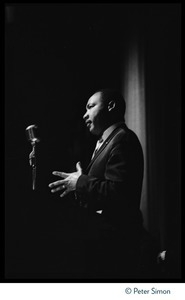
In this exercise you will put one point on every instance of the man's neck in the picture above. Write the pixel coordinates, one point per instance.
(109, 129)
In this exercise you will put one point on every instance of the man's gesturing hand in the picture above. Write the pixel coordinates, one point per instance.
(68, 184)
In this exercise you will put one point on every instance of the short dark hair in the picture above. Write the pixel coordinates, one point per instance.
(108, 95)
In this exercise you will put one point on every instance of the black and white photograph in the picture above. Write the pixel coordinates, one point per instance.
(92, 118)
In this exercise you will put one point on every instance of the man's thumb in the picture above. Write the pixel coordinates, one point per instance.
(78, 166)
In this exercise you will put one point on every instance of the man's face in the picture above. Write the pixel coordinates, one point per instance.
(96, 114)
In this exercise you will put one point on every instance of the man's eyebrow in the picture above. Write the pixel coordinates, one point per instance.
(88, 105)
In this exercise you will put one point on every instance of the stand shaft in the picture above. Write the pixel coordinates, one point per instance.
(34, 178)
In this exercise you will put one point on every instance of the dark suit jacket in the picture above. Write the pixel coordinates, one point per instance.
(113, 183)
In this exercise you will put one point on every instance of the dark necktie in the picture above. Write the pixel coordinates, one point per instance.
(98, 145)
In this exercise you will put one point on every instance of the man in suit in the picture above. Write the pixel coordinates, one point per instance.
(109, 190)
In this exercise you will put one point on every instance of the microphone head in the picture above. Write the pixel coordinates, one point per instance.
(30, 132)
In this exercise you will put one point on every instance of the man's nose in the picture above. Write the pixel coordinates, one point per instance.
(85, 116)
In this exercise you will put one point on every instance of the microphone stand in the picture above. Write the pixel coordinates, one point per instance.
(32, 161)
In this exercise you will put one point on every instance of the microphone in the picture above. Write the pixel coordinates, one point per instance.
(30, 132)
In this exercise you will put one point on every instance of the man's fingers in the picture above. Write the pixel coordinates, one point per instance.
(58, 189)
(56, 183)
(61, 174)
(64, 193)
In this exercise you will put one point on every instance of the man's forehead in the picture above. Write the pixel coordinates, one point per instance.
(96, 98)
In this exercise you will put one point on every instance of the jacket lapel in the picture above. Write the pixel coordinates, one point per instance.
(105, 143)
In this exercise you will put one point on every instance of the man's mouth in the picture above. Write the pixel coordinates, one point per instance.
(88, 123)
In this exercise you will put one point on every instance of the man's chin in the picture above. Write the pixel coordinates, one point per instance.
(93, 131)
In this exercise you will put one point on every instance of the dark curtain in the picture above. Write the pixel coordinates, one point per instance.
(163, 106)
(152, 89)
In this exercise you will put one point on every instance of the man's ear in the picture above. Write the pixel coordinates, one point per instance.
(111, 105)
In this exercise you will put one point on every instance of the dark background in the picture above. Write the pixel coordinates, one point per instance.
(56, 56)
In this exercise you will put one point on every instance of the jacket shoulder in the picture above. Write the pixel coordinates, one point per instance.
(124, 135)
